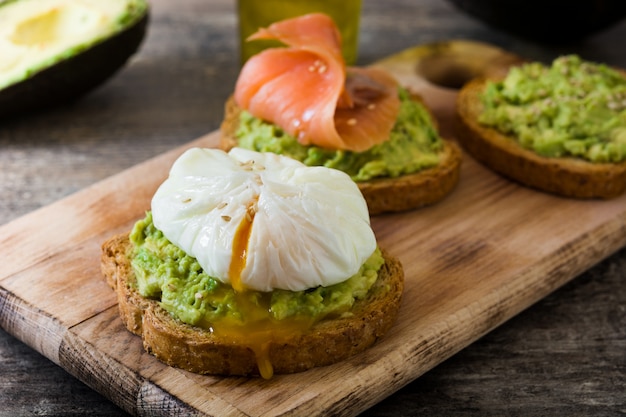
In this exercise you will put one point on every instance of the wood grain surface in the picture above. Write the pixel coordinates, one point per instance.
(471, 262)
(565, 355)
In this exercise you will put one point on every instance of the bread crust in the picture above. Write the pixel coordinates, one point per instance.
(383, 195)
(200, 351)
(568, 177)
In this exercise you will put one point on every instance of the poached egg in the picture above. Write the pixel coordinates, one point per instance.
(263, 221)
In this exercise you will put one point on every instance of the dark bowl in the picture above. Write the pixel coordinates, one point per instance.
(546, 21)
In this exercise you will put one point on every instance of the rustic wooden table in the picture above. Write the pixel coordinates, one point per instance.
(566, 355)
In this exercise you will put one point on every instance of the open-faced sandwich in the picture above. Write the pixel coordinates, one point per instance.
(559, 128)
(253, 264)
(302, 101)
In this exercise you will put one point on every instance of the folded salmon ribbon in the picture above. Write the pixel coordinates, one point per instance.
(306, 89)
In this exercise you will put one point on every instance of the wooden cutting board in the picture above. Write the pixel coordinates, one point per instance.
(488, 251)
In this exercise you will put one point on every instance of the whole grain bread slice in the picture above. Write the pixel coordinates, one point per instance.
(382, 195)
(566, 176)
(200, 351)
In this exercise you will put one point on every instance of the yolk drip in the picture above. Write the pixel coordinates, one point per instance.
(259, 329)
(259, 334)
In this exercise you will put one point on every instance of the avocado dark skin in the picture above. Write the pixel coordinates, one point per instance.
(74, 77)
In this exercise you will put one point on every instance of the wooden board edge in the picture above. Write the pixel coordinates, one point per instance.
(129, 390)
(31, 325)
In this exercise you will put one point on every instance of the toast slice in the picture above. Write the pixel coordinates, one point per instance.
(382, 195)
(200, 351)
(567, 176)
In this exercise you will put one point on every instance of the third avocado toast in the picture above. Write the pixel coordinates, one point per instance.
(558, 128)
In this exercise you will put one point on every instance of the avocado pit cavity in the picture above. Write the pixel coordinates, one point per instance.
(57, 26)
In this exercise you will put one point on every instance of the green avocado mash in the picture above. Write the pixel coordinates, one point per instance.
(164, 272)
(413, 145)
(572, 108)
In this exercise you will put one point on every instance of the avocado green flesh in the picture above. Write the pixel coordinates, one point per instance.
(164, 272)
(37, 34)
(413, 145)
(52, 55)
(572, 108)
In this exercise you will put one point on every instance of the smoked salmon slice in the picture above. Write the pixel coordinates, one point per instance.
(306, 89)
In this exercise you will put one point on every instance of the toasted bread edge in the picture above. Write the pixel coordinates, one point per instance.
(200, 351)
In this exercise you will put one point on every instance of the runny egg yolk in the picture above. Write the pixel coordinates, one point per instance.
(260, 328)
(240, 249)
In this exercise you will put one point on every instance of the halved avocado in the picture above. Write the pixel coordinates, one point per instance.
(54, 51)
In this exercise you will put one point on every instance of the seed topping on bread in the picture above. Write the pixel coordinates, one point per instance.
(571, 108)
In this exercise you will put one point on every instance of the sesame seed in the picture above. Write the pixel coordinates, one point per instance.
(351, 122)
(222, 205)
(318, 66)
(248, 165)
(371, 106)
(187, 200)
(226, 218)
(198, 295)
(171, 287)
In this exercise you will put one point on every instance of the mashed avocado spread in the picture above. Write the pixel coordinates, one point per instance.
(572, 108)
(414, 145)
(164, 272)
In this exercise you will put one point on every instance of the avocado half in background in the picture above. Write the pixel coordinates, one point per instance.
(54, 51)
